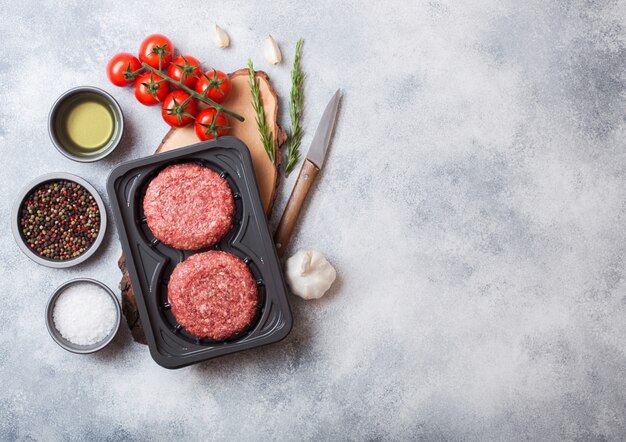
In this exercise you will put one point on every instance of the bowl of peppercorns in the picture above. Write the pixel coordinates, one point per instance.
(59, 220)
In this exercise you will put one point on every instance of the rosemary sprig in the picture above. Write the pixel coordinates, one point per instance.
(296, 105)
(267, 138)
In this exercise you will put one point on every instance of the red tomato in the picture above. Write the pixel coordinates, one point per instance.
(152, 46)
(211, 124)
(150, 89)
(121, 68)
(186, 69)
(216, 83)
(179, 109)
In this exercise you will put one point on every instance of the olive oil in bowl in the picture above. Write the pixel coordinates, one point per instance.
(86, 124)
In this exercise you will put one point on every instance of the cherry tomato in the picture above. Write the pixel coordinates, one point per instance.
(150, 89)
(211, 124)
(179, 109)
(186, 69)
(152, 46)
(121, 67)
(217, 83)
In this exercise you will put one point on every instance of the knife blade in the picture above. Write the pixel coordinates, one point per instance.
(310, 167)
(321, 139)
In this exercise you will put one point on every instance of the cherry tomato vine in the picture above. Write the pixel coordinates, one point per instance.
(156, 72)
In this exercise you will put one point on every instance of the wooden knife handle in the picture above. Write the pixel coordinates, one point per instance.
(285, 227)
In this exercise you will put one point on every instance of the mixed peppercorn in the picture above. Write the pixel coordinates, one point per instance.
(59, 220)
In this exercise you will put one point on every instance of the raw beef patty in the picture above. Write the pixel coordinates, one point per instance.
(189, 207)
(213, 295)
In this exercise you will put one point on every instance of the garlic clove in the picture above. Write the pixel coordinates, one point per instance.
(309, 274)
(272, 51)
(220, 38)
(306, 263)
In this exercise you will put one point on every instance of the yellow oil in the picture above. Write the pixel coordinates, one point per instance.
(89, 125)
(85, 123)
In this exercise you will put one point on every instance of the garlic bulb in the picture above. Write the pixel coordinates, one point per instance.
(309, 274)
(220, 38)
(272, 51)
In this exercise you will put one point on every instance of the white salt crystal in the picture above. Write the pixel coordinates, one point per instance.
(84, 314)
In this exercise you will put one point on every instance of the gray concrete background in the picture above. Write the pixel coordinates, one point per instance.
(473, 204)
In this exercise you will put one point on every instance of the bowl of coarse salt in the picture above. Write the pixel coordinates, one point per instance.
(83, 315)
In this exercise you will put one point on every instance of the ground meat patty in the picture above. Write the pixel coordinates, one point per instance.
(189, 207)
(213, 295)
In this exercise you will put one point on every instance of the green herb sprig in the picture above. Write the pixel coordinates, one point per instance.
(296, 106)
(267, 138)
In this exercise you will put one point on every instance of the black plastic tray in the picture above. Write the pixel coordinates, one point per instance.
(150, 262)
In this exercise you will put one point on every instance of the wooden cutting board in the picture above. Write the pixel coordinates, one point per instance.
(266, 173)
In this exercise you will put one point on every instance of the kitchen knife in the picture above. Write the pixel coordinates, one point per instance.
(311, 166)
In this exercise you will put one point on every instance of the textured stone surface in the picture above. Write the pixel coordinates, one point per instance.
(473, 204)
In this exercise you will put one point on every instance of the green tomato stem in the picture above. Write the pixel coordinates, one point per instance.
(193, 93)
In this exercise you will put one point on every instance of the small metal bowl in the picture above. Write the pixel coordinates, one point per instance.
(64, 146)
(70, 346)
(17, 232)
